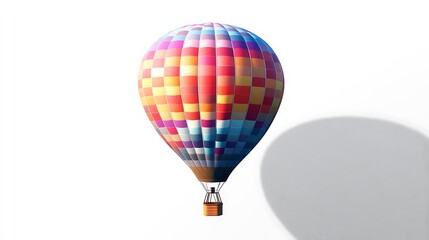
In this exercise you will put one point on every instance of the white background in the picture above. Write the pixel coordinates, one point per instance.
(80, 160)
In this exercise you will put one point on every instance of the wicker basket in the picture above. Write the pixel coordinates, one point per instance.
(213, 209)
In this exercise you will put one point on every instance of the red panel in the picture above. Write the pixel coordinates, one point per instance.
(219, 150)
(224, 107)
(225, 80)
(258, 81)
(153, 109)
(268, 100)
(159, 62)
(254, 108)
(207, 90)
(172, 130)
(267, 55)
(147, 91)
(269, 65)
(225, 90)
(226, 70)
(225, 61)
(255, 54)
(240, 52)
(189, 80)
(156, 116)
(190, 98)
(207, 80)
(146, 73)
(176, 107)
(271, 73)
(207, 51)
(270, 92)
(243, 90)
(192, 115)
(206, 70)
(174, 99)
(223, 115)
(180, 144)
(224, 51)
(265, 108)
(190, 51)
(207, 98)
(157, 82)
(171, 71)
(207, 60)
(188, 90)
(174, 52)
(240, 98)
(251, 116)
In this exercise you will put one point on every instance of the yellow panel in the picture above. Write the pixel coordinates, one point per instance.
(257, 62)
(279, 85)
(162, 108)
(188, 70)
(148, 100)
(178, 115)
(160, 54)
(190, 107)
(208, 115)
(270, 83)
(189, 60)
(224, 99)
(171, 81)
(275, 105)
(160, 99)
(143, 100)
(172, 91)
(175, 137)
(243, 71)
(158, 91)
(172, 61)
(147, 82)
(239, 107)
(238, 115)
(165, 115)
(207, 107)
(157, 72)
(257, 72)
(243, 81)
(257, 95)
(167, 137)
(242, 61)
(140, 72)
(147, 63)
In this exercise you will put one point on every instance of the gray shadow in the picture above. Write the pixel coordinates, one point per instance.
(349, 179)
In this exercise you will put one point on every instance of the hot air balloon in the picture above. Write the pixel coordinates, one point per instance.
(211, 91)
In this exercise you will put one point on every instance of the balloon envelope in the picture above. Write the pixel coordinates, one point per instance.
(211, 91)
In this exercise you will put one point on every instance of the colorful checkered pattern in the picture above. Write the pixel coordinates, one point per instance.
(211, 91)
